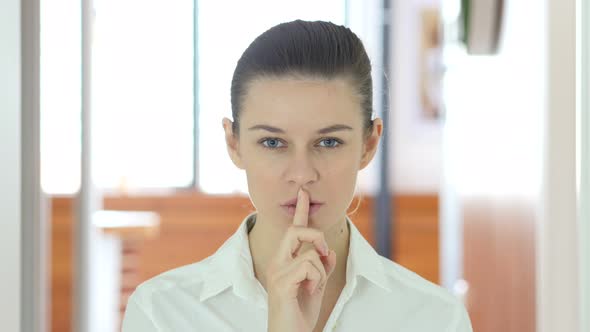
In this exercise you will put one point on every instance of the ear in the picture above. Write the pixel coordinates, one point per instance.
(232, 143)
(371, 143)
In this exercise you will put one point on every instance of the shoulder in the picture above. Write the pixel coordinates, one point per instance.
(155, 302)
(180, 279)
(426, 298)
(400, 277)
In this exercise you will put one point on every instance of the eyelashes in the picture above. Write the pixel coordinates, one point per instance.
(275, 143)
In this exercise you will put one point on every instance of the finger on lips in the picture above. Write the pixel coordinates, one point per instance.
(301, 209)
(301, 219)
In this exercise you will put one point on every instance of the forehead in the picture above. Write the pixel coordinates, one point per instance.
(301, 102)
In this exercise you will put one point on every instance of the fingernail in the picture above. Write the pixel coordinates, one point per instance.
(300, 193)
(325, 249)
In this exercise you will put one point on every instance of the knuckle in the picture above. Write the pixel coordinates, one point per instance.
(291, 230)
(319, 237)
(322, 237)
(312, 254)
(311, 267)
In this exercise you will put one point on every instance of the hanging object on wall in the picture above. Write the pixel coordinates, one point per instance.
(481, 25)
(431, 66)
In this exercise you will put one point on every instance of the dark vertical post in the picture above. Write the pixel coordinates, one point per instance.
(383, 208)
(35, 228)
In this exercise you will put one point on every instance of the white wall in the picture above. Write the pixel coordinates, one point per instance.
(557, 238)
(416, 147)
(10, 164)
(583, 157)
(511, 126)
(583, 143)
(493, 127)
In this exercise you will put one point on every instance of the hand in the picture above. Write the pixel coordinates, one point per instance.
(296, 283)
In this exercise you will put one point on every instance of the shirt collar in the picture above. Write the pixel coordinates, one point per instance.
(363, 260)
(231, 265)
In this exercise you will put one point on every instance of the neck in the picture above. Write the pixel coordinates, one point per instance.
(265, 237)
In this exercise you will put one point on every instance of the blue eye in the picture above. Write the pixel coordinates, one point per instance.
(274, 143)
(271, 143)
(331, 142)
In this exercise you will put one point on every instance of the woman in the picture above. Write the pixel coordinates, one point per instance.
(302, 129)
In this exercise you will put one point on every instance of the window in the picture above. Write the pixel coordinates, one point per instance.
(60, 96)
(142, 81)
(142, 94)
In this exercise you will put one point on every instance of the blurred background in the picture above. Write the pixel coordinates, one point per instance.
(114, 167)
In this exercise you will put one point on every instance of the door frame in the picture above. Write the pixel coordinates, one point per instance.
(35, 231)
(583, 156)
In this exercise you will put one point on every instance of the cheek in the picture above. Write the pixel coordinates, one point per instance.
(262, 177)
(262, 169)
(341, 167)
(340, 181)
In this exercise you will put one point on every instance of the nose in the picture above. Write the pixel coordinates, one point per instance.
(301, 170)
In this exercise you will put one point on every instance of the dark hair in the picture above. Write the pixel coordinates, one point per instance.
(310, 49)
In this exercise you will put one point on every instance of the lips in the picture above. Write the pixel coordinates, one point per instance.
(294, 202)
(290, 205)
(313, 208)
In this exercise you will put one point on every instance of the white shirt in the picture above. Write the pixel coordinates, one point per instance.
(221, 293)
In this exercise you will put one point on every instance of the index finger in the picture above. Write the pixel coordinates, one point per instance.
(301, 209)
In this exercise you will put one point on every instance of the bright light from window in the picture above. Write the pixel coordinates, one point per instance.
(142, 97)
(60, 96)
(143, 93)
(493, 125)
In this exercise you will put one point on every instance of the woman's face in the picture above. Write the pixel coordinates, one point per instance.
(301, 133)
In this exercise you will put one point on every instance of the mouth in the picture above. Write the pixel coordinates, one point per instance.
(289, 207)
(293, 202)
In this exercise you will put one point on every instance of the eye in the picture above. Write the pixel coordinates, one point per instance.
(271, 143)
(331, 143)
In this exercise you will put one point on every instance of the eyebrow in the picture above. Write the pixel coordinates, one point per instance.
(333, 128)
